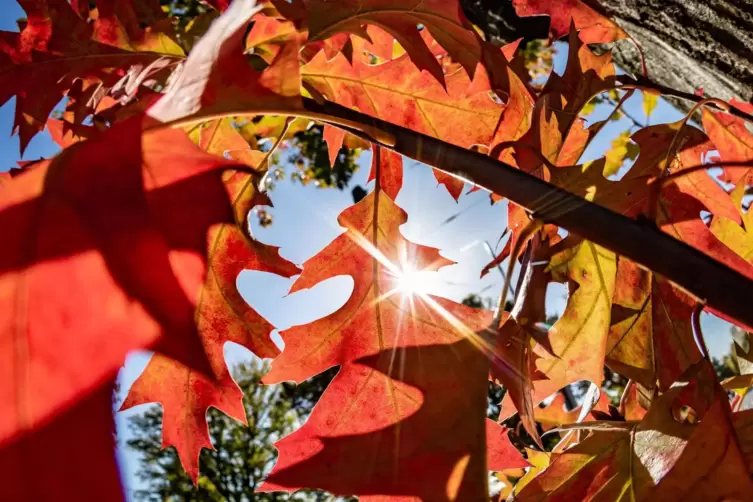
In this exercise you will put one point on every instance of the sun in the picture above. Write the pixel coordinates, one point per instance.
(411, 281)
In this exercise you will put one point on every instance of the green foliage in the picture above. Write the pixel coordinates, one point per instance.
(242, 455)
(312, 159)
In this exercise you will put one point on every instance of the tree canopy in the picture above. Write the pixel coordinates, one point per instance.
(174, 120)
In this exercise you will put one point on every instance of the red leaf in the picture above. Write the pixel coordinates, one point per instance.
(733, 140)
(104, 251)
(594, 28)
(334, 138)
(408, 421)
(222, 315)
(352, 332)
(389, 165)
(218, 79)
(410, 394)
(443, 18)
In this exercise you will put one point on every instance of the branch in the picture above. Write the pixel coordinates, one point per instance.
(722, 288)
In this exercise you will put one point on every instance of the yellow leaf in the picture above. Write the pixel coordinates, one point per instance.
(650, 101)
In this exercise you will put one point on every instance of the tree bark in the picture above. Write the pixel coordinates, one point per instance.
(687, 44)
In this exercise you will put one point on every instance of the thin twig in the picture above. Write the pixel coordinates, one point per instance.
(264, 164)
(618, 107)
(665, 180)
(643, 83)
(697, 332)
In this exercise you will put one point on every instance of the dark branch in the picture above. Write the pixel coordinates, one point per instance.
(724, 289)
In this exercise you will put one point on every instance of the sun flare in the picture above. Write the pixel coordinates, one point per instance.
(412, 281)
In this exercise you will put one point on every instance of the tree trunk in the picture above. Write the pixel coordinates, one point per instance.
(687, 44)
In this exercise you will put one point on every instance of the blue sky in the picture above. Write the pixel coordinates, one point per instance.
(305, 220)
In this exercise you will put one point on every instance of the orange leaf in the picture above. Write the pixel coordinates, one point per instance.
(411, 390)
(651, 337)
(594, 28)
(373, 230)
(334, 138)
(397, 92)
(408, 421)
(389, 165)
(733, 140)
(443, 18)
(554, 414)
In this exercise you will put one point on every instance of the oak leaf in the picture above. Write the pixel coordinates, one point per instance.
(104, 251)
(651, 336)
(579, 338)
(411, 389)
(407, 422)
(397, 92)
(731, 138)
(444, 19)
(222, 316)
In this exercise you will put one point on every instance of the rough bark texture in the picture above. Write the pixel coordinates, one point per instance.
(688, 44)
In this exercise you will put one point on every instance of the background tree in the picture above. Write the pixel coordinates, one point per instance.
(242, 455)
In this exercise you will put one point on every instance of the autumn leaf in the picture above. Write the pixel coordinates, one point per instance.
(104, 251)
(218, 79)
(692, 148)
(586, 74)
(731, 138)
(743, 358)
(443, 18)
(56, 46)
(408, 421)
(334, 138)
(555, 414)
(651, 336)
(222, 316)
(64, 136)
(411, 371)
(578, 339)
(396, 92)
(539, 461)
(594, 28)
(512, 367)
(630, 403)
(650, 100)
(389, 165)
(621, 149)
(556, 131)
(373, 229)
